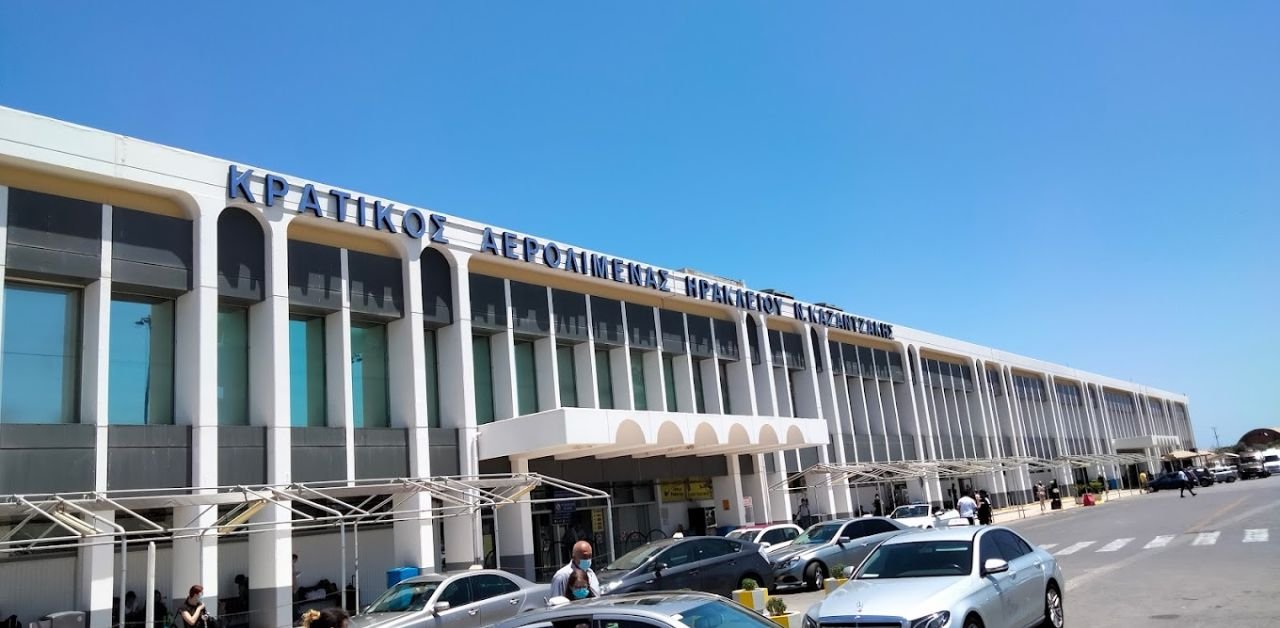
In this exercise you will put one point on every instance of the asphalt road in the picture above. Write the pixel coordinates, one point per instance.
(1160, 560)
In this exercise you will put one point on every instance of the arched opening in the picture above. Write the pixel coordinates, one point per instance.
(628, 434)
(241, 284)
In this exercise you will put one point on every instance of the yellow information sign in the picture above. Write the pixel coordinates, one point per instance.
(597, 520)
(674, 491)
(699, 490)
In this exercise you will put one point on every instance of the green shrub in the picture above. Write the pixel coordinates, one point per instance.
(776, 606)
(749, 584)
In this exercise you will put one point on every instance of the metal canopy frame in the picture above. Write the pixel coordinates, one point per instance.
(1080, 461)
(313, 505)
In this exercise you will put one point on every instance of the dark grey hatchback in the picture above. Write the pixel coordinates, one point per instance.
(704, 563)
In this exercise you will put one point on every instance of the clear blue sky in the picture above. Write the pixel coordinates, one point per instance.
(1089, 184)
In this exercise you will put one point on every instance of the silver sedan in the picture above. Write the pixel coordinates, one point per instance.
(478, 597)
(971, 577)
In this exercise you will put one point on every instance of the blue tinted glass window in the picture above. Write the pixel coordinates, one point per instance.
(639, 396)
(433, 380)
(483, 364)
(140, 384)
(526, 378)
(370, 384)
(233, 365)
(604, 379)
(568, 376)
(41, 355)
(307, 403)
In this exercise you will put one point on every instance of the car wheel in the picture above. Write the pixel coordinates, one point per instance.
(1053, 615)
(972, 622)
(814, 575)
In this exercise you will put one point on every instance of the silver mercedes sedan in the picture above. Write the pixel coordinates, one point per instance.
(966, 577)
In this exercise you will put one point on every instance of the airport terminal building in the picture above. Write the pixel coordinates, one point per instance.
(189, 343)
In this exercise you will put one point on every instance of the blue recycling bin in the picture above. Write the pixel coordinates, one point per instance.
(400, 574)
(1113, 483)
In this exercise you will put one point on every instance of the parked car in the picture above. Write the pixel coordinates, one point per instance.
(964, 576)
(810, 558)
(920, 516)
(645, 610)
(1271, 461)
(1204, 477)
(706, 563)
(463, 599)
(1224, 473)
(1165, 482)
(1251, 466)
(769, 537)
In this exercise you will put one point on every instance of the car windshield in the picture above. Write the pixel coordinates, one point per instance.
(721, 614)
(742, 533)
(1271, 458)
(910, 511)
(636, 557)
(821, 533)
(918, 560)
(406, 597)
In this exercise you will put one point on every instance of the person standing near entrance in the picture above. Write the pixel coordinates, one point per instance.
(877, 508)
(802, 517)
(581, 560)
(968, 508)
(1040, 494)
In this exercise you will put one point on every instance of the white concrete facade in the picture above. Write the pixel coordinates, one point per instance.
(774, 390)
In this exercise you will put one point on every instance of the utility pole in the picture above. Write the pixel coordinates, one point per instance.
(1216, 443)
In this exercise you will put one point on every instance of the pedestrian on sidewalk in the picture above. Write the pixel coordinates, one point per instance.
(968, 507)
(1187, 483)
(802, 516)
(877, 508)
(1142, 480)
(1040, 494)
(985, 515)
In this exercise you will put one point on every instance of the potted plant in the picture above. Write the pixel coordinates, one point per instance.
(836, 580)
(751, 595)
(777, 610)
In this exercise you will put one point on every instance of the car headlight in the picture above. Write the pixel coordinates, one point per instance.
(936, 620)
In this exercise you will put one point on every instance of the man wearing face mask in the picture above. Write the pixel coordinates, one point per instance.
(581, 560)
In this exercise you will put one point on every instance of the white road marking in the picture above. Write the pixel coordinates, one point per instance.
(1115, 545)
(1074, 548)
(1206, 538)
(1259, 535)
(1048, 546)
(1159, 541)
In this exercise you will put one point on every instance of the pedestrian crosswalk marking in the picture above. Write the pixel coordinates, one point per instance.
(1256, 536)
(1074, 548)
(1048, 546)
(1159, 541)
(1115, 545)
(1206, 538)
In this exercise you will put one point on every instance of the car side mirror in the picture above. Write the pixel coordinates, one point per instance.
(658, 567)
(847, 573)
(843, 540)
(993, 566)
(440, 607)
(765, 544)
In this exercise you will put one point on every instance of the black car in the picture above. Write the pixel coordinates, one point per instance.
(704, 563)
(1171, 482)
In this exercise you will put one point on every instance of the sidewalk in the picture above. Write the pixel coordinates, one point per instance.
(1018, 513)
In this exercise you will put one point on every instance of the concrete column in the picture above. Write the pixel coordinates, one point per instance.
(620, 376)
(742, 393)
(195, 558)
(584, 361)
(4, 237)
(271, 547)
(710, 385)
(756, 486)
(762, 373)
(728, 490)
(805, 381)
(340, 397)
(95, 344)
(779, 499)
(458, 408)
(544, 357)
(95, 571)
(515, 531)
(655, 387)
(414, 538)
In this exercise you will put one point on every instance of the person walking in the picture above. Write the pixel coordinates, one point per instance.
(1187, 483)
(192, 611)
(985, 515)
(968, 507)
(877, 507)
(581, 560)
(1142, 480)
(802, 513)
(1040, 494)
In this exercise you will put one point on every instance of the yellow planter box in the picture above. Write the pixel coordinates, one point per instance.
(787, 620)
(753, 599)
(831, 584)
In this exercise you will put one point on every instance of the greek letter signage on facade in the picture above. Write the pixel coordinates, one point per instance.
(512, 246)
(377, 215)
